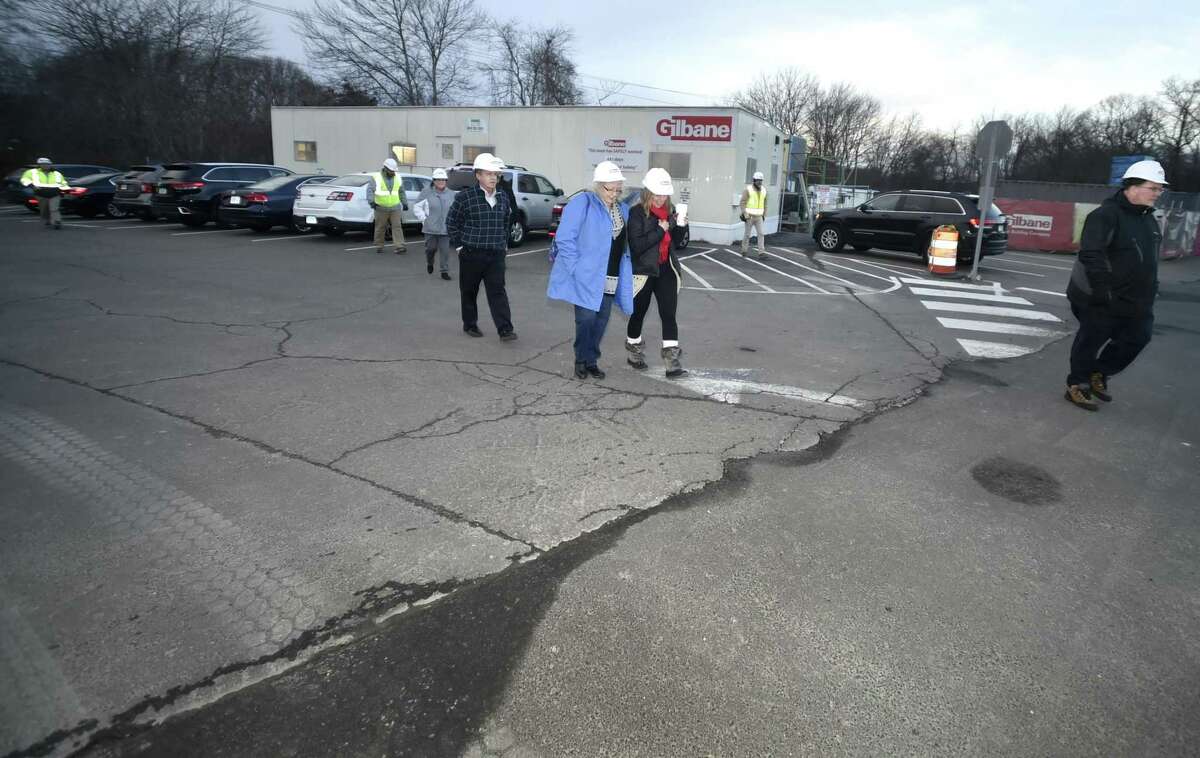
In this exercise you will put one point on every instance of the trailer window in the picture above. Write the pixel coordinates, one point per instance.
(471, 152)
(678, 165)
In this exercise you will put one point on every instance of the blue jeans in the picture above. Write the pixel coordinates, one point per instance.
(589, 330)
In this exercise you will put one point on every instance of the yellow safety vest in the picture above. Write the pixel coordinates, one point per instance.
(39, 178)
(756, 202)
(385, 197)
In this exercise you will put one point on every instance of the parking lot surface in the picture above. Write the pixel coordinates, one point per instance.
(226, 451)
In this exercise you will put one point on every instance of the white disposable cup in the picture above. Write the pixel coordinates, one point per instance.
(681, 214)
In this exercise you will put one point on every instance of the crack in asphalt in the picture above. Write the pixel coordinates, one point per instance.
(893, 328)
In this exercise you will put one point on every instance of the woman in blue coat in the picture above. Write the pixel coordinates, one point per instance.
(592, 267)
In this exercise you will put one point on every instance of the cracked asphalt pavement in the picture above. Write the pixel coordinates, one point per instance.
(236, 471)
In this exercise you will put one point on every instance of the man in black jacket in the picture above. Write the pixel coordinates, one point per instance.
(1114, 283)
(478, 224)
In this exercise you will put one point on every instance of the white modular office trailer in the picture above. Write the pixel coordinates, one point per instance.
(711, 152)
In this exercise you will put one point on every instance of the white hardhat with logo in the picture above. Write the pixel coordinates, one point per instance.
(607, 171)
(487, 162)
(440, 173)
(43, 161)
(1151, 171)
(758, 176)
(391, 165)
(658, 182)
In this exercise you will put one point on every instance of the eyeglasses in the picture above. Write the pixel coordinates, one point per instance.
(1158, 190)
(610, 189)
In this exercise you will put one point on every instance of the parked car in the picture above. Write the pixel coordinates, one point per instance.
(632, 195)
(340, 205)
(267, 203)
(89, 196)
(15, 193)
(135, 190)
(532, 194)
(191, 192)
(905, 220)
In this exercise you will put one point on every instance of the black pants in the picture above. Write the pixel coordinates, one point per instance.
(665, 289)
(1106, 343)
(486, 266)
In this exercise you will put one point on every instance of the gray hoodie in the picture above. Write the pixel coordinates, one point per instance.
(439, 206)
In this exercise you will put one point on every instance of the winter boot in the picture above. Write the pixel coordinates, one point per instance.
(1079, 395)
(637, 354)
(670, 356)
(1100, 387)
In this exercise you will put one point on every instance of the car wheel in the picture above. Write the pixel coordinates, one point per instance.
(193, 220)
(330, 231)
(686, 240)
(862, 248)
(112, 211)
(516, 235)
(830, 239)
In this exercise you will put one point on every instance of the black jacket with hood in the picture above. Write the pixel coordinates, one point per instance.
(1117, 266)
(644, 237)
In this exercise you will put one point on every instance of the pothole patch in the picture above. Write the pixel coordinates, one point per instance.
(1016, 481)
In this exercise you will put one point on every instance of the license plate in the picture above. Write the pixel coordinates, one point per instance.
(162, 190)
(235, 200)
(310, 219)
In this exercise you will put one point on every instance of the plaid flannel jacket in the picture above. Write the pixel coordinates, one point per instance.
(474, 224)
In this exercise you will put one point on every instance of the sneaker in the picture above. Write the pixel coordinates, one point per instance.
(446, 275)
(401, 250)
(1080, 396)
(595, 372)
(473, 331)
(1100, 387)
(508, 337)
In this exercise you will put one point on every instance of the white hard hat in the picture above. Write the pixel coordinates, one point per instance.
(1151, 171)
(440, 173)
(607, 171)
(391, 165)
(488, 162)
(658, 182)
(43, 161)
(758, 176)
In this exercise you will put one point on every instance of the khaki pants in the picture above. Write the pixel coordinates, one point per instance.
(48, 207)
(384, 216)
(754, 222)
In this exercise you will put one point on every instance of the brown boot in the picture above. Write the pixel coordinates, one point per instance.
(1081, 396)
(670, 356)
(637, 354)
(1100, 387)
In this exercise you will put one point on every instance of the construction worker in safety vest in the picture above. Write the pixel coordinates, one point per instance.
(753, 209)
(48, 186)
(385, 195)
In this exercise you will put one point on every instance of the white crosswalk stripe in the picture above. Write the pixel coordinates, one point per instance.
(958, 295)
(989, 310)
(996, 327)
(980, 349)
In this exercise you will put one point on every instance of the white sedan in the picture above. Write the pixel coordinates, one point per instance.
(340, 205)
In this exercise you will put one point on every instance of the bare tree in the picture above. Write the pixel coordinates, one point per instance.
(1181, 122)
(839, 121)
(402, 52)
(781, 98)
(533, 67)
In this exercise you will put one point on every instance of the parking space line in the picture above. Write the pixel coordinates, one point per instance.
(364, 247)
(781, 273)
(1022, 262)
(696, 255)
(1011, 271)
(954, 285)
(1034, 255)
(1043, 292)
(290, 237)
(131, 226)
(527, 252)
(696, 276)
(996, 327)
(846, 282)
(825, 262)
(990, 310)
(210, 231)
(745, 276)
(962, 295)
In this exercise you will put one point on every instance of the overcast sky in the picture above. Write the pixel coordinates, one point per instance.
(949, 61)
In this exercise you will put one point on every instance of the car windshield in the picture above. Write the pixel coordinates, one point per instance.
(273, 183)
(351, 180)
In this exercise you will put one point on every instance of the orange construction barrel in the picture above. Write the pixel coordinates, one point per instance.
(943, 250)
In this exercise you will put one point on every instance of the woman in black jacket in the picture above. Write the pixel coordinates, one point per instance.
(654, 233)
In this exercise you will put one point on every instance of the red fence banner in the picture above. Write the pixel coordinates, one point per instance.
(1039, 224)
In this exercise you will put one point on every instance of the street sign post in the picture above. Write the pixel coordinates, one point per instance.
(992, 144)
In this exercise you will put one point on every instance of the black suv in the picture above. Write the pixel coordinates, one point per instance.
(191, 192)
(904, 220)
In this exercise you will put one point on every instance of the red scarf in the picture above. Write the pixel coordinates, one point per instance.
(664, 247)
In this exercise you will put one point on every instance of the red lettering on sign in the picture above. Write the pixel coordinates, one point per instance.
(696, 128)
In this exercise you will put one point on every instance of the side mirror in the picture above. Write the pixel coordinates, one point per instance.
(558, 192)
(865, 208)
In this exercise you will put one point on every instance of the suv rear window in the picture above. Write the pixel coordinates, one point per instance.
(177, 172)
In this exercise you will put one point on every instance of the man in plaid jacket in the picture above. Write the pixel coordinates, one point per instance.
(478, 224)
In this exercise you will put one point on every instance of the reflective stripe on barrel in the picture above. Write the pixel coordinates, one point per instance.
(943, 250)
